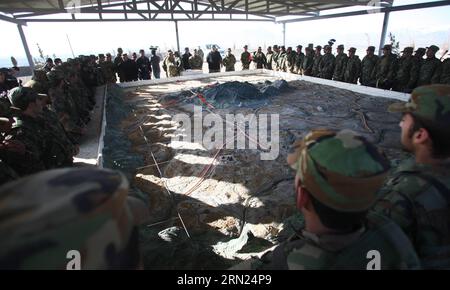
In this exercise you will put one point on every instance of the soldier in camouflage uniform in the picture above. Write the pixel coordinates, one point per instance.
(229, 61)
(341, 62)
(327, 64)
(246, 59)
(57, 212)
(338, 177)
(368, 65)
(276, 55)
(107, 68)
(59, 147)
(64, 105)
(117, 62)
(431, 68)
(308, 62)
(417, 195)
(299, 58)
(445, 77)
(316, 61)
(269, 57)
(195, 61)
(419, 54)
(384, 72)
(27, 131)
(352, 69)
(291, 58)
(38, 82)
(169, 65)
(407, 72)
(259, 58)
(282, 60)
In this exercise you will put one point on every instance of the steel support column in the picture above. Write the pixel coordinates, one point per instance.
(25, 46)
(178, 38)
(284, 34)
(384, 32)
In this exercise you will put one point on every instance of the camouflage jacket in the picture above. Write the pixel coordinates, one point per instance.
(196, 62)
(171, 67)
(407, 73)
(352, 70)
(384, 71)
(107, 68)
(291, 59)
(260, 60)
(282, 63)
(326, 67)
(275, 57)
(65, 109)
(417, 198)
(430, 72)
(59, 148)
(299, 58)
(339, 68)
(445, 77)
(27, 131)
(228, 62)
(307, 251)
(307, 65)
(246, 59)
(368, 65)
(316, 64)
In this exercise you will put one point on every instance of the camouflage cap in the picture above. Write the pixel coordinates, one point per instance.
(408, 49)
(55, 75)
(318, 47)
(421, 50)
(431, 103)
(340, 169)
(39, 75)
(433, 48)
(340, 46)
(387, 47)
(46, 215)
(352, 49)
(371, 48)
(20, 97)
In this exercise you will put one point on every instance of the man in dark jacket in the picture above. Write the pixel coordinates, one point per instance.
(144, 67)
(128, 69)
(214, 60)
(185, 59)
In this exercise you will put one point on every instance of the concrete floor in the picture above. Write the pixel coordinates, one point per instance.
(89, 148)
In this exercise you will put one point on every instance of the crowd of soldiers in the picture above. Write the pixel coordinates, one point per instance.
(43, 120)
(390, 71)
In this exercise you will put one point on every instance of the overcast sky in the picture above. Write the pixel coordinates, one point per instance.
(418, 28)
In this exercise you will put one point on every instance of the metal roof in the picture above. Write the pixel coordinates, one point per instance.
(183, 10)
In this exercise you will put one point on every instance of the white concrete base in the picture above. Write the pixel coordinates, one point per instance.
(92, 143)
